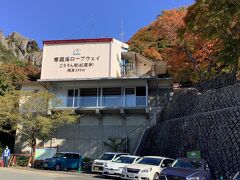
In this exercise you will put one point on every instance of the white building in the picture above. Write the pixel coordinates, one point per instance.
(114, 91)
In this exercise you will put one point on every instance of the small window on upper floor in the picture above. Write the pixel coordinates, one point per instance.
(126, 67)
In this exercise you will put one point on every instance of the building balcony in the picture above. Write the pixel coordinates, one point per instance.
(117, 101)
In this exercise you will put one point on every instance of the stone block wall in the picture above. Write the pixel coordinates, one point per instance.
(189, 101)
(209, 122)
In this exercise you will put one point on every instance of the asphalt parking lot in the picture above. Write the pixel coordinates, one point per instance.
(34, 174)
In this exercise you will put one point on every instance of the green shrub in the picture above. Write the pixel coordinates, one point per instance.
(22, 160)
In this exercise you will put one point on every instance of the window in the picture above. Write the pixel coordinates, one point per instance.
(187, 164)
(76, 156)
(71, 100)
(111, 91)
(124, 159)
(141, 96)
(150, 161)
(126, 67)
(68, 156)
(106, 157)
(72, 92)
(88, 91)
(130, 98)
(112, 96)
(88, 97)
(141, 91)
(58, 155)
(129, 91)
(167, 163)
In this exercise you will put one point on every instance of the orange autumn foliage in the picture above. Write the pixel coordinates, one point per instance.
(16, 73)
(190, 57)
(152, 53)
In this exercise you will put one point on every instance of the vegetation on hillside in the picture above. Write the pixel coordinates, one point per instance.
(13, 71)
(199, 42)
(7, 55)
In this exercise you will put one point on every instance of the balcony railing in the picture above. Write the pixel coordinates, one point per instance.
(103, 101)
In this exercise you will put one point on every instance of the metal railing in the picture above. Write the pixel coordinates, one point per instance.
(217, 82)
(101, 101)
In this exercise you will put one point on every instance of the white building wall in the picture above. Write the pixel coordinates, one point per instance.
(87, 136)
(117, 48)
(81, 60)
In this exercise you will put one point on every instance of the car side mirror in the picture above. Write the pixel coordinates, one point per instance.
(163, 165)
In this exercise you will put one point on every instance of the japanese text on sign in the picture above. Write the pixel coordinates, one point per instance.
(76, 64)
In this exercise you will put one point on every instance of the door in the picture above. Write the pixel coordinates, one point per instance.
(67, 161)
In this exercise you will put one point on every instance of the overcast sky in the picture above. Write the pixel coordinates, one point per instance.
(74, 19)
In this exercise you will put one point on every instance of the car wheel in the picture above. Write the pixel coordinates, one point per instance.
(156, 176)
(57, 167)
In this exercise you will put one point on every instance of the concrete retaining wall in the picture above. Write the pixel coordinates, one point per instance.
(87, 136)
(209, 122)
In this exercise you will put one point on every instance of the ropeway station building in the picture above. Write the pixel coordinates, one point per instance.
(115, 91)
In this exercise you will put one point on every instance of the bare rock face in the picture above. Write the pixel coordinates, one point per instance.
(23, 48)
(3, 41)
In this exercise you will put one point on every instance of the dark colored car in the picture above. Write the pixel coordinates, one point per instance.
(236, 176)
(186, 169)
(63, 160)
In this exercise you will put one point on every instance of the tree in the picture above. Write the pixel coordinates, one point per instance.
(152, 53)
(193, 53)
(218, 20)
(160, 34)
(116, 144)
(195, 48)
(9, 114)
(33, 120)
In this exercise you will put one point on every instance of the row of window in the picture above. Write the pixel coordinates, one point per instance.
(138, 91)
(106, 97)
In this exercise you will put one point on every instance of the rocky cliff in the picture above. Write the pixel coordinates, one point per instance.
(19, 47)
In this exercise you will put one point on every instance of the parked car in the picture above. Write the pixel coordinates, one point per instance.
(98, 164)
(63, 160)
(114, 168)
(236, 176)
(188, 169)
(147, 168)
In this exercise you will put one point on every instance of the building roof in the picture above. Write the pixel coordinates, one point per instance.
(92, 79)
(66, 41)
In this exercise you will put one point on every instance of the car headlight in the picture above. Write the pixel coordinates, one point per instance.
(146, 170)
(193, 178)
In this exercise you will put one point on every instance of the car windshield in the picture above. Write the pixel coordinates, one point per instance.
(124, 159)
(150, 161)
(187, 164)
(58, 155)
(106, 157)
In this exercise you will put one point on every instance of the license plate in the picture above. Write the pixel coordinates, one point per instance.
(96, 168)
(111, 172)
(131, 175)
